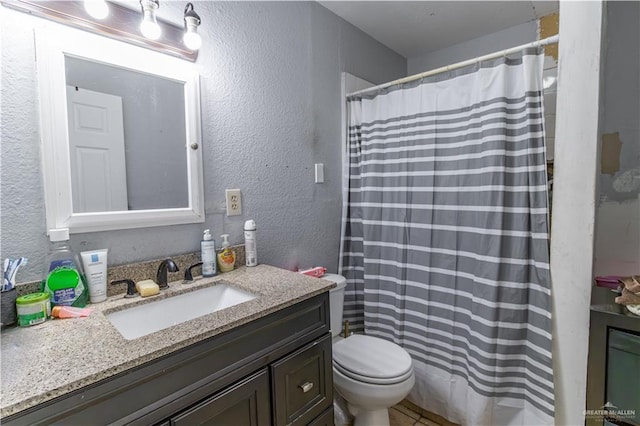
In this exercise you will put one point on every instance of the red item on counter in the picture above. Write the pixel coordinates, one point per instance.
(317, 272)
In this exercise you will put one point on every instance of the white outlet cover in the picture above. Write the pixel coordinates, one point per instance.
(234, 202)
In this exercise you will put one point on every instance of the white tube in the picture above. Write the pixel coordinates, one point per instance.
(95, 268)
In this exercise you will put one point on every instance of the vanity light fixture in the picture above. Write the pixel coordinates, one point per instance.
(96, 8)
(149, 25)
(120, 21)
(191, 37)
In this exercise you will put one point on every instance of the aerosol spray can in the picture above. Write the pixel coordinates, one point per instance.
(250, 248)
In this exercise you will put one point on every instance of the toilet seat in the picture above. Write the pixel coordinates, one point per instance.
(372, 380)
(372, 360)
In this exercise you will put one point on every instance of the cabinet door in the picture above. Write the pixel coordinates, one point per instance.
(302, 384)
(246, 403)
(623, 363)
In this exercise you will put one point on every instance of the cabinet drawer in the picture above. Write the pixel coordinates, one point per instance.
(302, 384)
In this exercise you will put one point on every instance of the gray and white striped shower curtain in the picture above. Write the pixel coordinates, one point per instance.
(445, 237)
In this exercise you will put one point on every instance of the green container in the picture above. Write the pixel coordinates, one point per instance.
(63, 277)
(33, 309)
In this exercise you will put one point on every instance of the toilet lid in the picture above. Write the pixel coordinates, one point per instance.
(372, 360)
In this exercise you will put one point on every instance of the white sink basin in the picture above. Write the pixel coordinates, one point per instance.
(155, 316)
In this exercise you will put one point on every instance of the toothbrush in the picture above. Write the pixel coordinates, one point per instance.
(11, 267)
(14, 271)
(5, 280)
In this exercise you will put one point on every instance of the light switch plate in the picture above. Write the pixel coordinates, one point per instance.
(319, 167)
(234, 202)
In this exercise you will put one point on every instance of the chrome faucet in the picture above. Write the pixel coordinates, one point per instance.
(161, 276)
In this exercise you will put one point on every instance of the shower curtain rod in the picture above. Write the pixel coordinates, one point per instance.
(538, 43)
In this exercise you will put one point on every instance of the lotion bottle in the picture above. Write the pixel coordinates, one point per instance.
(208, 254)
(227, 257)
(251, 251)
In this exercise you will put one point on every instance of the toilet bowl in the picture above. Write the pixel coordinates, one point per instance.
(371, 374)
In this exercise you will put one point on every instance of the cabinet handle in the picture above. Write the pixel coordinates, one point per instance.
(306, 387)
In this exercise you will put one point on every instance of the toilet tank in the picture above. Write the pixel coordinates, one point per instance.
(336, 301)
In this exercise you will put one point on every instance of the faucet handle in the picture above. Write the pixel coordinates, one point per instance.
(131, 287)
(188, 277)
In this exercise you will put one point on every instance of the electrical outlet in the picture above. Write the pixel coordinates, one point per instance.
(234, 202)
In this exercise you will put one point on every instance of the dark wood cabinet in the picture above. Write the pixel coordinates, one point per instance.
(275, 370)
(302, 384)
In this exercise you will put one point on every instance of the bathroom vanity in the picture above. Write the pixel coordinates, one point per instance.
(266, 361)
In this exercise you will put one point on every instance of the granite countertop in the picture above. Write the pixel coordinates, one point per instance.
(46, 361)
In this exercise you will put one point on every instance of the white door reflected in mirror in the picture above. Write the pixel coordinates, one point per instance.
(96, 151)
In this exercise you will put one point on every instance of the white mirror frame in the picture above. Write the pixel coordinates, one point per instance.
(52, 44)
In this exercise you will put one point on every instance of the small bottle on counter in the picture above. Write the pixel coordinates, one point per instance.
(250, 248)
(208, 254)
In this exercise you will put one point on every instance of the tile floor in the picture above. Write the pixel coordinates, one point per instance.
(408, 414)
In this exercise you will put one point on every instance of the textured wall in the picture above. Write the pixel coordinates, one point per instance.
(270, 81)
(618, 213)
(621, 98)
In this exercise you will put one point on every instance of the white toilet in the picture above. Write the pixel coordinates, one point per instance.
(372, 374)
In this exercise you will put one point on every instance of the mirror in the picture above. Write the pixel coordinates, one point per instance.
(120, 134)
(126, 133)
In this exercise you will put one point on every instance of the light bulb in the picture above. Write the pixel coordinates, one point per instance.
(150, 29)
(96, 8)
(149, 26)
(192, 40)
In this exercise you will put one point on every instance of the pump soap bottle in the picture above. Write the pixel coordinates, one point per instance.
(227, 257)
(208, 254)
